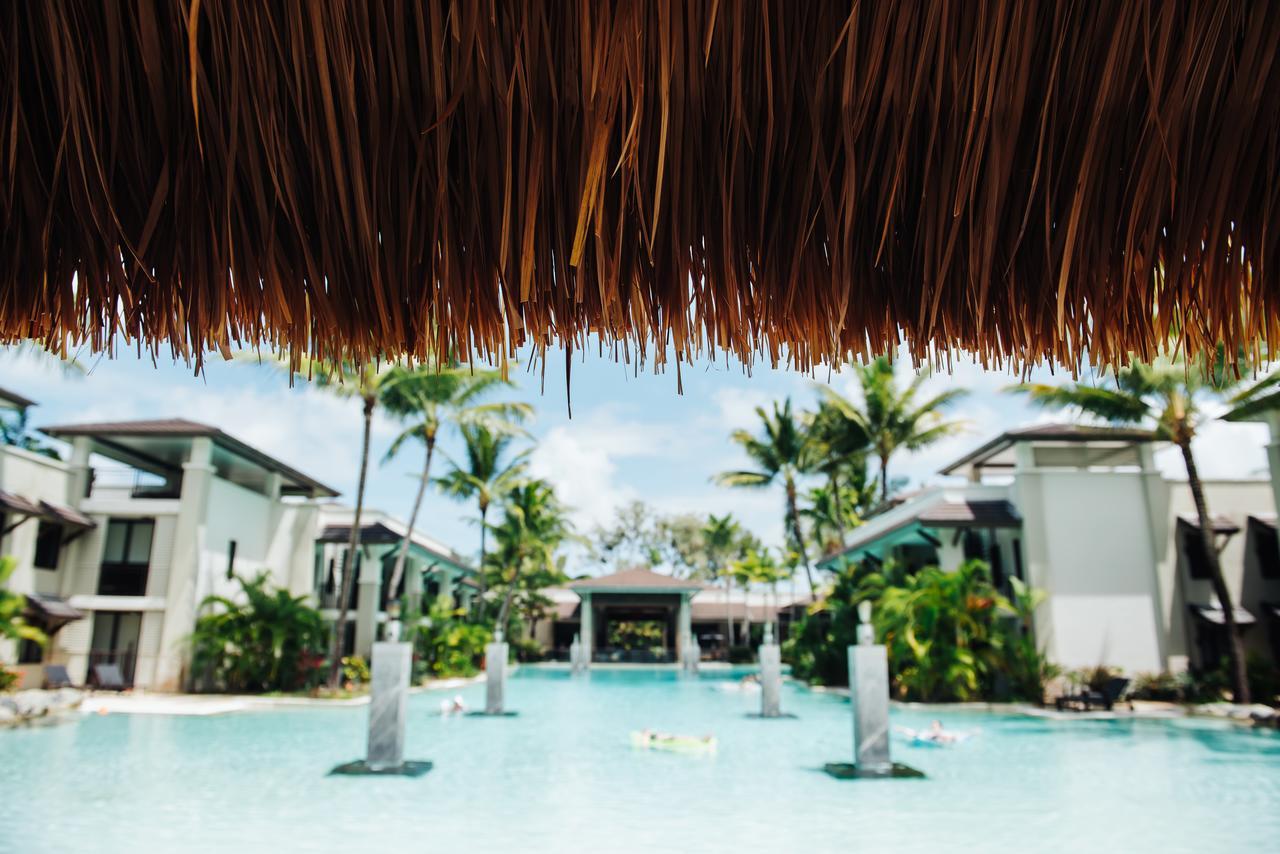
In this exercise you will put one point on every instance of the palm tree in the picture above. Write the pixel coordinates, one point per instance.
(830, 513)
(841, 443)
(783, 452)
(756, 566)
(486, 477)
(436, 397)
(722, 537)
(533, 528)
(1166, 396)
(891, 417)
(364, 382)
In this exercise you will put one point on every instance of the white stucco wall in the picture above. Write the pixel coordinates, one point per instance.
(1087, 543)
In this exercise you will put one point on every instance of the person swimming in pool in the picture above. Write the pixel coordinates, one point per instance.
(453, 707)
(938, 735)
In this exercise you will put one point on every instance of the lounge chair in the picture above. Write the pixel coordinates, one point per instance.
(56, 676)
(107, 677)
(1112, 690)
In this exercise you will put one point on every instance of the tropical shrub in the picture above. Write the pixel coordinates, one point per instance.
(637, 634)
(949, 635)
(8, 679)
(355, 670)
(818, 642)
(527, 649)
(271, 641)
(13, 625)
(446, 644)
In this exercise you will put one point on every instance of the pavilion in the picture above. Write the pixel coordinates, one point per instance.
(636, 595)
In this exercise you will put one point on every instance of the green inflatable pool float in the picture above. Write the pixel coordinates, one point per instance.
(648, 740)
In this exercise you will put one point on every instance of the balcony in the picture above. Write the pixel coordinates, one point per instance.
(119, 483)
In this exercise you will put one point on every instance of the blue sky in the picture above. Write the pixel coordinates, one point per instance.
(632, 436)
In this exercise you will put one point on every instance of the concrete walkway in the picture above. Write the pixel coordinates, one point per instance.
(142, 703)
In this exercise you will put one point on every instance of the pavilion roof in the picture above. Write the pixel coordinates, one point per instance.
(802, 180)
(637, 580)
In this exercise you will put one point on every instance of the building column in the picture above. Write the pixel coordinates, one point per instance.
(446, 584)
(587, 629)
(1153, 489)
(413, 586)
(1273, 458)
(369, 583)
(79, 469)
(181, 606)
(684, 625)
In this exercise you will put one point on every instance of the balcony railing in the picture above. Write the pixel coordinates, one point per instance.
(120, 482)
(123, 579)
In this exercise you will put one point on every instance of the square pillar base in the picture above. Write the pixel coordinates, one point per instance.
(895, 771)
(361, 768)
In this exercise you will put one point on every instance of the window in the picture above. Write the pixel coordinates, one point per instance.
(48, 545)
(1265, 547)
(30, 652)
(126, 557)
(1191, 544)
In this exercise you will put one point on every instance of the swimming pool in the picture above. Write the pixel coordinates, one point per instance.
(562, 776)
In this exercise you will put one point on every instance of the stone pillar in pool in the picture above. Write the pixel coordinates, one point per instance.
(495, 674)
(388, 704)
(690, 655)
(869, 694)
(869, 698)
(770, 676)
(588, 630)
(576, 664)
(684, 630)
(388, 714)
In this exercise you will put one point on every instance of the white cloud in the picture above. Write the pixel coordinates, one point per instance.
(581, 459)
(736, 407)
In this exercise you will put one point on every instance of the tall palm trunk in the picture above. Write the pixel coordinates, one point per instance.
(353, 543)
(403, 554)
(504, 613)
(884, 477)
(1235, 646)
(746, 615)
(484, 529)
(839, 506)
(793, 518)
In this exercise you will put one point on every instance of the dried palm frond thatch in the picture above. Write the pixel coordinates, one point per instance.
(805, 180)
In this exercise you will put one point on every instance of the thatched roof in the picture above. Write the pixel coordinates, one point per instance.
(806, 179)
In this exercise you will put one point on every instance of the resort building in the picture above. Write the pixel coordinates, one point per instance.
(1084, 514)
(141, 523)
(119, 544)
(431, 569)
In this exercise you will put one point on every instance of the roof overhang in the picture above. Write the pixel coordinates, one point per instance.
(51, 613)
(381, 534)
(13, 400)
(635, 581)
(67, 517)
(1221, 525)
(998, 452)
(915, 519)
(162, 446)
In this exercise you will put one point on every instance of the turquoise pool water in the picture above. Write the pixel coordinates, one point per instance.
(563, 777)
